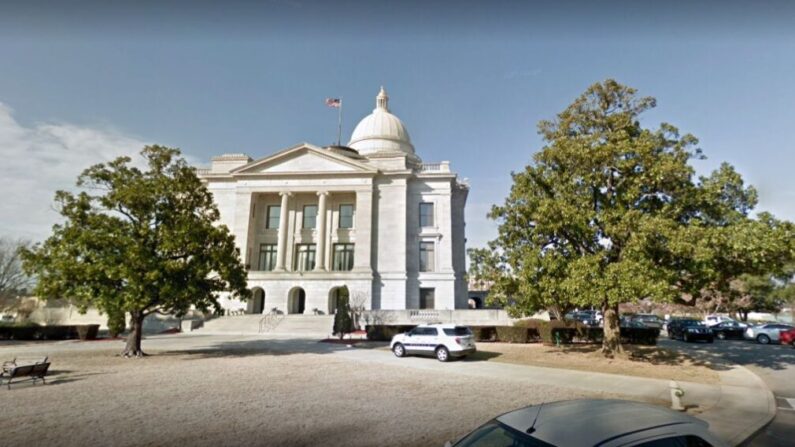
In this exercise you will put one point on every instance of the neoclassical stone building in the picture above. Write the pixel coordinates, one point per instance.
(370, 221)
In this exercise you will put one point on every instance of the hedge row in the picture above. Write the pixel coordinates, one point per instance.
(61, 332)
(532, 331)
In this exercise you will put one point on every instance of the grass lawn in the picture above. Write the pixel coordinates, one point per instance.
(642, 361)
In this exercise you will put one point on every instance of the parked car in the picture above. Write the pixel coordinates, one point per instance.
(649, 320)
(443, 341)
(766, 333)
(729, 329)
(591, 422)
(689, 330)
(787, 337)
(587, 317)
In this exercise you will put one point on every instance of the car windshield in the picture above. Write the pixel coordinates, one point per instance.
(459, 331)
(494, 434)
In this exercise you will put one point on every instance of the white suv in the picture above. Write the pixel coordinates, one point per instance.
(440, 340)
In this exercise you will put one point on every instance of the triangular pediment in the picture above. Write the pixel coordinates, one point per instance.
(304, 159)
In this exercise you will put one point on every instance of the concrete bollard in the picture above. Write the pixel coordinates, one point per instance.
(676, 396)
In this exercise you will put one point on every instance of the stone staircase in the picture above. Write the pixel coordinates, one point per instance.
(299, 325)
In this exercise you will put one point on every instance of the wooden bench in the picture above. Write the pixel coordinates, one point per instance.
(33, 372)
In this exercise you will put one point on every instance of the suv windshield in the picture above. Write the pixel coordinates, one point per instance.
(499, 435)
(458, 331)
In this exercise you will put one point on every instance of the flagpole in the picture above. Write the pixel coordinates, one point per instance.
(339, 124)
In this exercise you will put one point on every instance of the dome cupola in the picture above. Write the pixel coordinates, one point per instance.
(381, 131)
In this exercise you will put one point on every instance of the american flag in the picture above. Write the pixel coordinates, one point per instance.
(333, 103)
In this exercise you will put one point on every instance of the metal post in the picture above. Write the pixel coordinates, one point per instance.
(339, 123)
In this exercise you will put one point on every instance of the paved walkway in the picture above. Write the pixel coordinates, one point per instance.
(735, 409)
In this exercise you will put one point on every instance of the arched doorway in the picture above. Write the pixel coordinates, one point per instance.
(335, 296)
(296, 301)
(257, 303)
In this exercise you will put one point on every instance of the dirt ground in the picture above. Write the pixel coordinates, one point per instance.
(220, 398)
(642, 361)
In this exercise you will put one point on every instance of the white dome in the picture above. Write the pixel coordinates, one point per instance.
(381, 131)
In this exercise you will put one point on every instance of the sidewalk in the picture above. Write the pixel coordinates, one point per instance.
(736, 408)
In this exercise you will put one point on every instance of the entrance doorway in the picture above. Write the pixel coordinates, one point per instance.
(336, 296)
(257, 303)
(296, 302)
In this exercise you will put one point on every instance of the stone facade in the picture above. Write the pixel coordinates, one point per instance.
(299, 215)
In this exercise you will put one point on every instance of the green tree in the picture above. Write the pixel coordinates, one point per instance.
(608, 212)
(343, 320)
(138, 242)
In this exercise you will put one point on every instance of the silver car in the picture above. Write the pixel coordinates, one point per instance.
(766, 333)
(592, 422)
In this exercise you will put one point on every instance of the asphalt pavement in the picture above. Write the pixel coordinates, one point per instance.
(774, 364)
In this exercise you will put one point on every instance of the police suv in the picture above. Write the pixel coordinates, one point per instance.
(442, 341)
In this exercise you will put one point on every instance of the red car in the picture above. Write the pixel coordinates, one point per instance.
(787, 337)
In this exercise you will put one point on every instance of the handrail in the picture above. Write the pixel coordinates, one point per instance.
(270, 321)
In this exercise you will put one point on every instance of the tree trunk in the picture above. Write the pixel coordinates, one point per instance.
(133, 347)
(611, 342)
(743, 315)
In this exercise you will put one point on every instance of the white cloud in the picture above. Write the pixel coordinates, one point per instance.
(36, 161)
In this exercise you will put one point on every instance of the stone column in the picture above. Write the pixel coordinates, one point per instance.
(363, 227)
(320, 255)
(281, 248)
(243, 228)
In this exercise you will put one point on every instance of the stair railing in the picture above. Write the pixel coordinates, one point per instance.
(270, 321)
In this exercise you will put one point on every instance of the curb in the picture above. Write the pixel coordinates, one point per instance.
(743, 399)
(747, 434)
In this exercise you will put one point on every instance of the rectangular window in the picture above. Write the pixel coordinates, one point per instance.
(427, 299)
(346, 216)
(310, 216)
(427, 256)
(267, 257)
(274, 212)
(304, 257)
(426, 214)
(343, 257)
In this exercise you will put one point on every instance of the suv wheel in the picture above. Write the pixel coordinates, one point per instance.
(442, 354)
(763, 339)
(399, 350)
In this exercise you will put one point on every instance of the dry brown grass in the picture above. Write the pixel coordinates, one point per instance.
(217, 397)
(642, 361)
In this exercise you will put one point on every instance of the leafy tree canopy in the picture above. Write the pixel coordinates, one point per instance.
(610, 212)
(138, 241)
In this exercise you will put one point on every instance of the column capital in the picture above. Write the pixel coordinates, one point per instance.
(323, 193)
(286, 193)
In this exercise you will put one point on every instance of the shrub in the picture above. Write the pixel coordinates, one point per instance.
(87, 331)
(385, 332)
(343, 321)
(514, 334)
(484, 333)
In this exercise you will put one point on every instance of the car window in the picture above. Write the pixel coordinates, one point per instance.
(427, 331)
(459, 331)
(677, 441)
(494, 434)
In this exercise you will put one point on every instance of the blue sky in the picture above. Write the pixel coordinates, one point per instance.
(92, 80)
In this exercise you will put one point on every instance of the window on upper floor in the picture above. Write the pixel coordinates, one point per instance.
(310, 216)
(267, 257)
(343, 257)
(427, 256)
(346, 216)
(304, 257)
(426, 214)
(274, 213)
